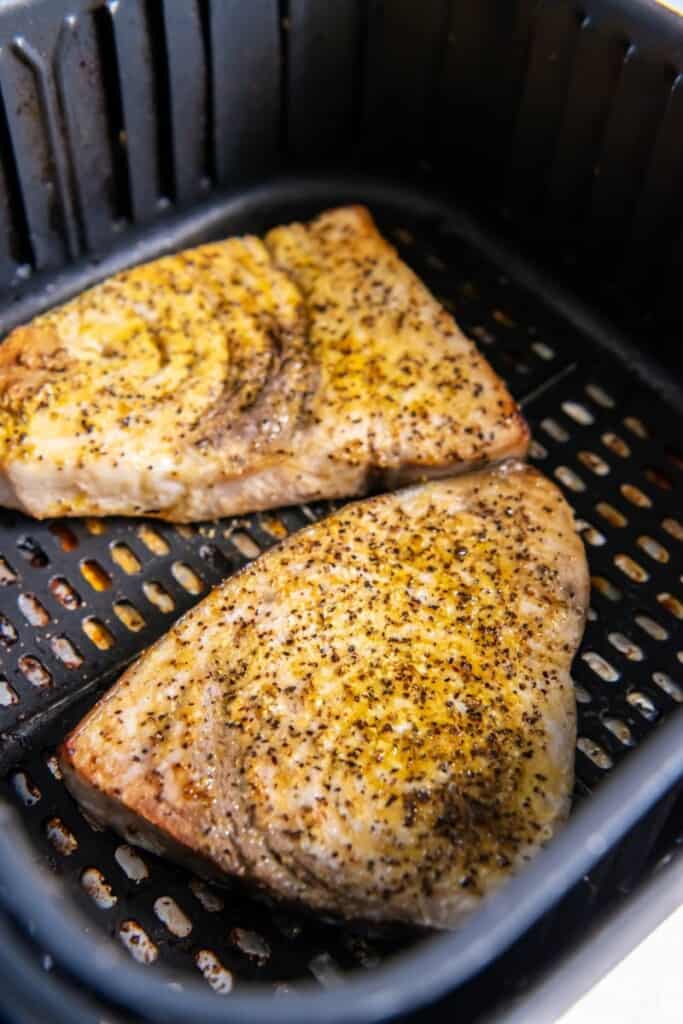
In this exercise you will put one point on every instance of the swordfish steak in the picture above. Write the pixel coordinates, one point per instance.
(244, 375)
(374, 719)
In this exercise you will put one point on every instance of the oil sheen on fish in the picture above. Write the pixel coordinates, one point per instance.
(374, 719)
(243, 375)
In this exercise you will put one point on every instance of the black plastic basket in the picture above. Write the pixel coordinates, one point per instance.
(526, 159)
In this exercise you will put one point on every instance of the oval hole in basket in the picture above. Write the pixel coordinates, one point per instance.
(153, 540)
(62, 839)
(671, 603)
(93, 573)
(218, 976)
(631, 568)
(635, 496)
(537, 451)
(210, 900)
(636, 426)
(66, 652)
(543, 351)
(54, 767)
(35, 671)
(611, 515)
(554, 430)
(96, 526)
(274, 526)
(33, 553)
(569, 478)
(620, 730)
(98, 634)
(137, 942)
(577, 412)
(669, 686)
(63, 592)
(600, 396)
(626, 647)
(184, 530)
(659, 478)
(7, 573)
(98, 888)
(673, 528)
(169, 913)
(590, 534)
(8, 634)
(245, 545)
(616, 444)
(642, 703)
(66, 538)
(158, 596)
(652, 628)
(122, 556)
(32, 610)
(187, 578)
(25, 788)
(600, 666)
(594, 463)
(129, 616)
(8, 695)
(654, 549)
(131, 863)
(594, 752)
(251, 944)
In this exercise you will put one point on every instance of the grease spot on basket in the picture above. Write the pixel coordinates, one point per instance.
(616, 444)
(98, 634)
(218, 976)
(594, 463)
(66, 538)
(611, 515)
(137, 942)
(642, 703)
(569, 478)
(170, 915)
(635, 496)
(61, 838)
(251, 944)
(625, 646)
(98, 888)
(600, 666)
(153, 540)
(669, 686)
(32, 610)
(126, 560)
(594, 752)
(66, 652)
(129, 616)
(131, 863)
(7, 573)
(35, 671)
(64, 593)
(158, 596)
(8, 695)
(187, 578)
(93, 573)
(210, 900)
(26, 789)
(672, 604)
(631, 568)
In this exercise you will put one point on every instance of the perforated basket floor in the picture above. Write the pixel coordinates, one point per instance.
(80, 598)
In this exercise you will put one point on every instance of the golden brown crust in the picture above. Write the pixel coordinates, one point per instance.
(376, 717)
(244, 375)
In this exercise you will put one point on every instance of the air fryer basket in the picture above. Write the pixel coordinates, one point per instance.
(129, 129)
